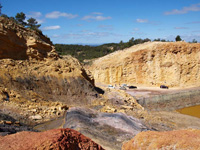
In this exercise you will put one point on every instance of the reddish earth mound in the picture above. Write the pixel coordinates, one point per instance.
(57, 139)
(180, 139)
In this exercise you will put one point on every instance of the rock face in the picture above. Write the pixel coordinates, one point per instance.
(56, 80)
(32, 75)
(151, 64)
(18, 42)
(180, 139)
(109, 130)
(53, 139)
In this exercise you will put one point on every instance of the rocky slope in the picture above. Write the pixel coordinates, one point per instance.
(180, 139)
(36, 84)
(18, 42)
(151, 64)
(53, 139)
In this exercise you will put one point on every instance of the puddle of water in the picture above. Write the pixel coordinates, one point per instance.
(192, 111)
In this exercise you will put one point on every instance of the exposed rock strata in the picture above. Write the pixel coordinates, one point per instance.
(52, 139)
(151, 64)
(107, 129)
(18, 42)
(180, 139)
(32, 75)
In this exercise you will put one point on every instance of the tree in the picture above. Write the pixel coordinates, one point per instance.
(4, 15)
(0, 8)
(33, 24)
(131, 42)
(178, 38)
(194, 41)
(20, 17)
(158, 39)
(163, 40)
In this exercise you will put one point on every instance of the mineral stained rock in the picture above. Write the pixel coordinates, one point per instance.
(179, 139)
(151, 64)
(57, 139)
(107, 129)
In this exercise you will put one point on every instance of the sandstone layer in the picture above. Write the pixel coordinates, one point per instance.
(35, 82)
(57, 139)
(180, 139)
(174, 64)
(18, 42)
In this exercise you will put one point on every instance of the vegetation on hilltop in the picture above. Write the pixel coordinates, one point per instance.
(86, 52)
(89, 52)
(20, 19)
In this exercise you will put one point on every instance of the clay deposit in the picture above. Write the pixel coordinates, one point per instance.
(53, 139)
(175, 64)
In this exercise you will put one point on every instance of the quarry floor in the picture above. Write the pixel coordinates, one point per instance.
(145, 91)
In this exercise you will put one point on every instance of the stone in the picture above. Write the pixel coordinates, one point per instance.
(8, 122)
(34, 110)
(178, 139)
(36, 117)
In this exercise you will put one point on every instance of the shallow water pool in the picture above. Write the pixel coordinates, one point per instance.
(192, 111)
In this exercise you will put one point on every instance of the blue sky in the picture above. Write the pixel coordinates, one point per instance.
(105, 21)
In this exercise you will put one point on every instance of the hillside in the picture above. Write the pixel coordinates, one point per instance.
(175, 64)
(35, 83)
(85, 53)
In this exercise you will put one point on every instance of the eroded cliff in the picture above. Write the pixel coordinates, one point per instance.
(34, 80)
(151, 64)
(20, 43)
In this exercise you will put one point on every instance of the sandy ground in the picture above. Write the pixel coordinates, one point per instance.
(144, 92)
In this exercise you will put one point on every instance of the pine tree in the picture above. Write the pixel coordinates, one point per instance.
(33, 24)
(178, 38)
(20, 17)
(0, 8)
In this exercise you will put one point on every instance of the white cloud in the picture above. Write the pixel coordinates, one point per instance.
(51, 27)
(184, 10)
(40, 21)
(142, 20)
(57, 14)
(97, 18)
(34, 14)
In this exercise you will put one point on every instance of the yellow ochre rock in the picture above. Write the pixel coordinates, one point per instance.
(175, 64)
